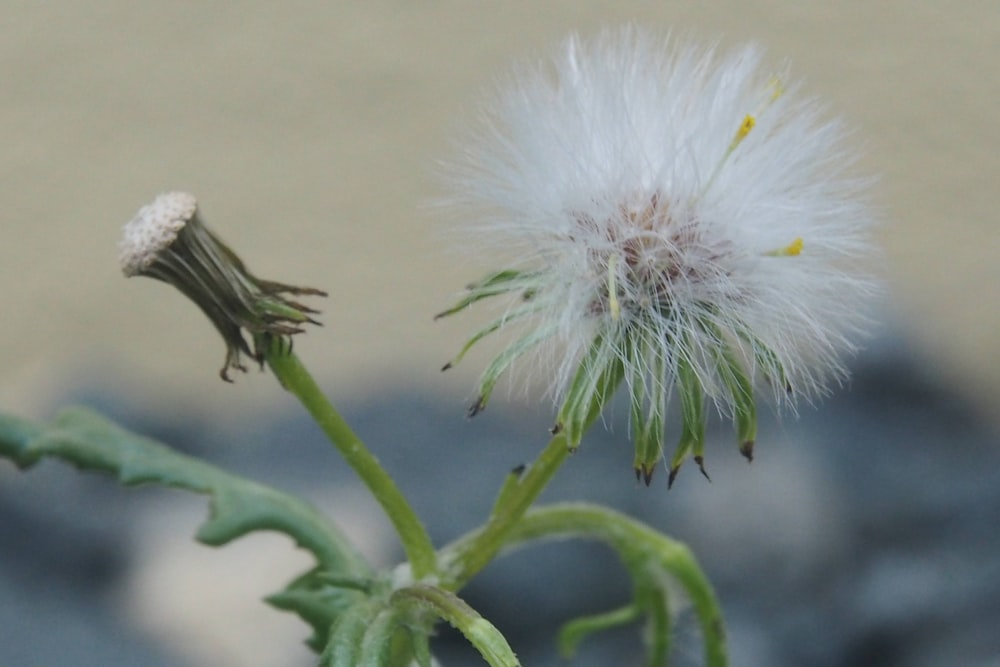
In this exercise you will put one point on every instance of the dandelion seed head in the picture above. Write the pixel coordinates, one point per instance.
(154, 227)
(670, 208)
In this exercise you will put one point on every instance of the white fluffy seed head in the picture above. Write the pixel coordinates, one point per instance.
(153, 229)
(654, 186)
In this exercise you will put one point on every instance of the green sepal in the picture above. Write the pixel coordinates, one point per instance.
(597, 377)
(500, 364)
(648, 444)
(494, 284)
(648, 416)
(575, 631)
(487, 330)
(284, 310)
(766, 360)
(741, 392)
(209, 273)
(738, 381)
(692, 398)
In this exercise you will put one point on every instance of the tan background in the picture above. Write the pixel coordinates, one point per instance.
(308, 130)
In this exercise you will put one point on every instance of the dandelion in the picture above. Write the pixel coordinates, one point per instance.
(680, 222)
(168, 241)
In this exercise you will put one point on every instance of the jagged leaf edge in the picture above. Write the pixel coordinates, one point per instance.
(238, 505)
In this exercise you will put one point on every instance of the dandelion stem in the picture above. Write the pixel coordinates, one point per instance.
(516, 499)
(295, 378)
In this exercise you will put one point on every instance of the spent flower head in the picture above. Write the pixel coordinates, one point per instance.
(168, 241)
(681, 221)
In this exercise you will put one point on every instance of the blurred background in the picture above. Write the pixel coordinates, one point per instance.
(308, 132)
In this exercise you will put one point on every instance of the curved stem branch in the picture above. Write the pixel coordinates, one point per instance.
(638, 545)
(446, 605)
(471, 556)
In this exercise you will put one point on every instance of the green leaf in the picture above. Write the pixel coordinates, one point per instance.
(319, 602)
(238, 506)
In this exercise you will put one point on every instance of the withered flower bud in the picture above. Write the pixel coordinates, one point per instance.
(168, 241)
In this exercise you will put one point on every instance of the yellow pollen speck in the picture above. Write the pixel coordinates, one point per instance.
(793, 249)
(748, 122)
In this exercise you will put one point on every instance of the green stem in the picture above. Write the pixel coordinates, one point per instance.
(446, 605)
(638, 545)
(295, 378)
(473, 555)
(579, 629)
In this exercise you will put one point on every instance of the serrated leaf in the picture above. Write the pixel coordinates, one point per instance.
(237, 505)
(317, 603)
